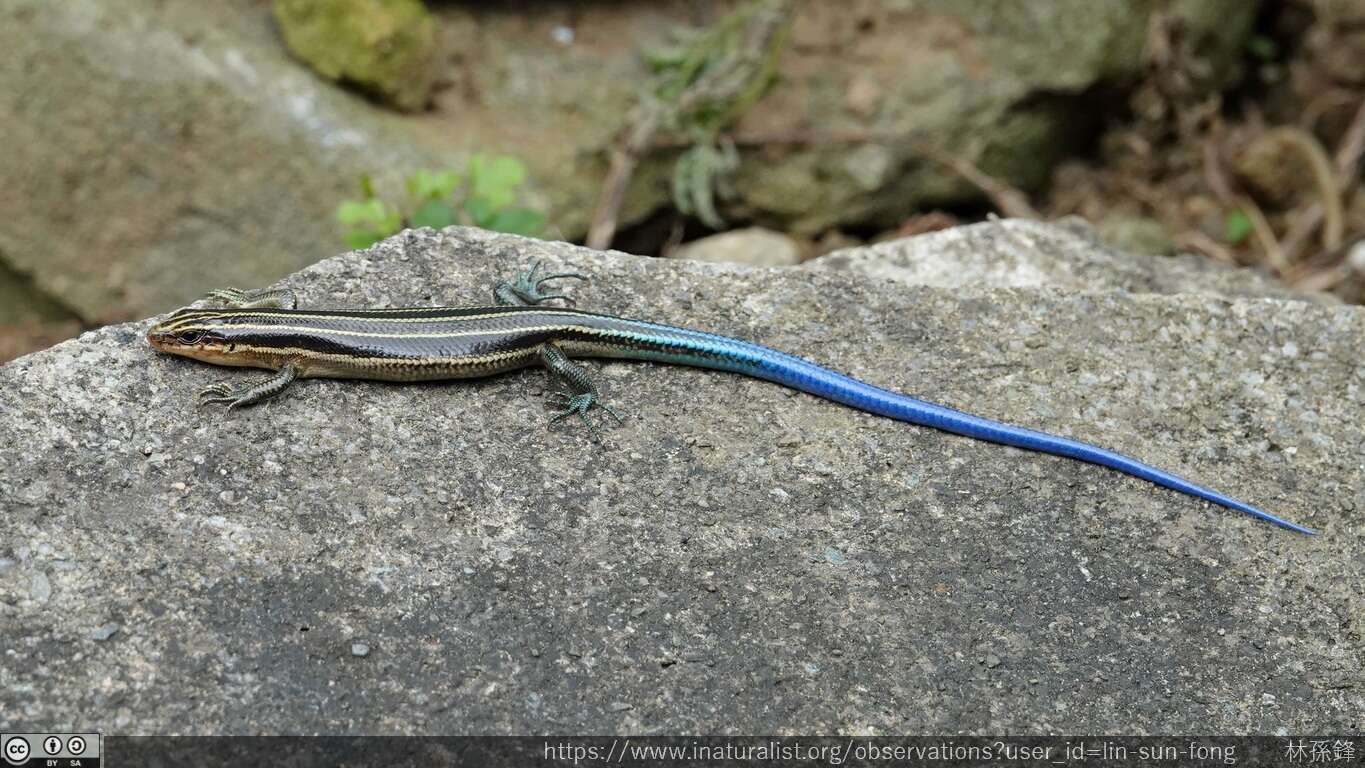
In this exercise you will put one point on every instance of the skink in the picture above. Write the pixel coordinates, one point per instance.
(264, 329)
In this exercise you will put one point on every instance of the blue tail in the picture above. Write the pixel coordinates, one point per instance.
(696, 348)
(822, 382)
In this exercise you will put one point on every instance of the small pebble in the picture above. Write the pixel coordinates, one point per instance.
(1356, 258)
(100, 634)
(562, 35)
(40, 589)
(360, 649)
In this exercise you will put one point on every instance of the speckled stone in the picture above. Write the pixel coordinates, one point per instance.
(1068, 255)
(754, 246)
(738, 558)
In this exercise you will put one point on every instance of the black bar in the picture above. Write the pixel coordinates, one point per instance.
(941, 752)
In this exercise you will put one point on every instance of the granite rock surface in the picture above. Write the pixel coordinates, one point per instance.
(736, 558)
(1067, 255)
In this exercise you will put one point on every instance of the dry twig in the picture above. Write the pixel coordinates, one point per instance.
(1265, 235)
(1316, 275)
(768, 138)
(1352, 146)
(1008, 199)
(719, 85)
(1195, 240)
(1214, 177)
(1301, 229)
(1326, 270)
(1324, 178)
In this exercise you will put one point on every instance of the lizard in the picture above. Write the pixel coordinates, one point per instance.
(266, 329)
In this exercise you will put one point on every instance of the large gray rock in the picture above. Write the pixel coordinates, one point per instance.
(753, 246)
(1019, 253)
(20, 303)
(1006, 86)
(736, 558)
(157, 148)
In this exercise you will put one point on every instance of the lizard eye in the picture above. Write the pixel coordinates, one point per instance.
(189, 337)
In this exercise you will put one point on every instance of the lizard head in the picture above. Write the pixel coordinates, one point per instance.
(195, 333)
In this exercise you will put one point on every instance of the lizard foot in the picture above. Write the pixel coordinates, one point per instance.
(526, 289)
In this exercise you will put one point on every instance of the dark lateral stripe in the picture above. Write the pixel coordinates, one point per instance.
(398, 313)
(470, 342)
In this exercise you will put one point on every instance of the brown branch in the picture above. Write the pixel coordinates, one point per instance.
(1008, 199)
(1198, 241)
(1319, 105)
(1321, 260)
(723, 84)
(1324, 177)
(625, 155)
(1214, 177)
(792, 137)
(1265, 235)
(1347, 156)
(1352, 146)
(1327, 270)
(1300, 231)
(1316, 275)
(1323, 279)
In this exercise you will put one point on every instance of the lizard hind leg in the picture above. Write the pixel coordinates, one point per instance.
(236, 298)
(525, 290)
(577, 393)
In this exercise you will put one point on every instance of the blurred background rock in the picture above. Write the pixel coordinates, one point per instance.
(156, 150)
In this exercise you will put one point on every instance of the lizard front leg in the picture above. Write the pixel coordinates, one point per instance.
(577, 392)
(235, 397)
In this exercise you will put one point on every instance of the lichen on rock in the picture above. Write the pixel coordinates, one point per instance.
(386, 48)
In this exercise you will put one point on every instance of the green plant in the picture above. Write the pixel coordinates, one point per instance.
(368, 220)
(483, 196)
(1237, 226)
(1263, 48)
(492, 188)
(704, 81)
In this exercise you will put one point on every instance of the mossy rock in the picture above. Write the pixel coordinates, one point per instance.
(386, 48)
